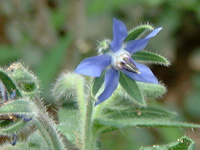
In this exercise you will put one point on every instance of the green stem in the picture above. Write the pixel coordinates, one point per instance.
(81, 97)
(97, 110)
(45, 134)
(88, 141)
(47, 127)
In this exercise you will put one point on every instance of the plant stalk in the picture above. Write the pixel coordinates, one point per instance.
(47, 127)
(88, 141)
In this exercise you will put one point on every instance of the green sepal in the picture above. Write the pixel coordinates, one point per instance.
(9, 83)
(10, 122)
(18, 106)
(149, 57)
(184, 143)
(132, 89)
(97, 84)
(152, 90)
(137, 32)
(13, 128)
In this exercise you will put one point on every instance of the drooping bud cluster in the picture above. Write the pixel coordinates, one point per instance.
(24, 78)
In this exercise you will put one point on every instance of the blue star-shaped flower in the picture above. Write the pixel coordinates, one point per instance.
(118, 59)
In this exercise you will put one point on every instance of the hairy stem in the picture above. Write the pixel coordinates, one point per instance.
(81, 97)
(47, 127)
(87, 128)
(97, 110)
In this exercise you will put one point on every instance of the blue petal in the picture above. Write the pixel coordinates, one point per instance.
(119, 34)
(146, 74)
(93, 66)
(138, 45)
(111, 82)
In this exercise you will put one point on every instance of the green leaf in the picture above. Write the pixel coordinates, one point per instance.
(107, 124)
(132, 89)
(149, 57)
(137, 32)
(97, 84)
(9, 83)
(152, 90)
(69, 123)
(136, 112)
(184, 143)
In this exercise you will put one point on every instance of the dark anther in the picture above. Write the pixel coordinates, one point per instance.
(129, 65)
(26, 119)
(13, 95)
(4, 92)
(14, 140)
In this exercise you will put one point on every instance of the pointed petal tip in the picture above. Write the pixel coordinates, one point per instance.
(159, 28)
(155, 31)
(97, 103)
(119, 34)
(115, 19)
(100, 99)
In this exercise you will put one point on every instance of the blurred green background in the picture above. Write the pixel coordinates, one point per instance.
(52, 36)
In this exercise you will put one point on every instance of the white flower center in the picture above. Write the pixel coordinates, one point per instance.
(118, 58)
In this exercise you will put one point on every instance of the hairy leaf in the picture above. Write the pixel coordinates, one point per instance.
(132, 89)
(149, 57)
(107, 124)
(152, 90)
(184, 143)
(136, 112)
(135, 33)
(69, 123)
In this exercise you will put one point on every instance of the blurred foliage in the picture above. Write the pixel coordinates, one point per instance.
(53, 35)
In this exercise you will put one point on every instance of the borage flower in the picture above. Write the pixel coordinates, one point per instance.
(117, 59)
